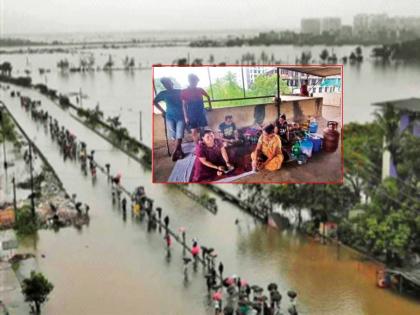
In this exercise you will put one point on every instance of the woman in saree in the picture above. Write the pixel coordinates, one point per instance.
(212, 159)
(267, 154)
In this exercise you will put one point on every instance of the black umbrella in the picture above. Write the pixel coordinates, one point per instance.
(272, 286)
(291, 294)
(228, 310)
(256, 288)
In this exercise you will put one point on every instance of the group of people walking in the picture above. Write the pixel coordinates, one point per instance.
(241, 298)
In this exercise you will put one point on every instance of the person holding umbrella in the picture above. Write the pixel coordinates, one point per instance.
(174, 115)
(221, 268)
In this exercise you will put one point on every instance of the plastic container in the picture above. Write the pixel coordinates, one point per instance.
(296, 149)
(331, 137)
(313, 126)
(317, 143)
(306, 146)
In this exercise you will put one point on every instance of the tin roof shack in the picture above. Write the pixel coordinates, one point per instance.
(405, 280)
(409, 111)
(7, 216)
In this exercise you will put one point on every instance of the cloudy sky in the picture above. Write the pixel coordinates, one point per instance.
(47, 16)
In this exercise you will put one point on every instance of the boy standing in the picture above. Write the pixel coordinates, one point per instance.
(174, 115)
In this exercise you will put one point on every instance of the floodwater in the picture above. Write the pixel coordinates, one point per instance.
(126, 93)
(114, 266)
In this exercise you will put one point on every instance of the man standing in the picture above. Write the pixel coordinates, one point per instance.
(193, 105)
(174, 115)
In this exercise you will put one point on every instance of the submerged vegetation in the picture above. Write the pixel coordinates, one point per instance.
(379, 217)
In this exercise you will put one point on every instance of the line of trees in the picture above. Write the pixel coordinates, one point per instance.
(380, 217)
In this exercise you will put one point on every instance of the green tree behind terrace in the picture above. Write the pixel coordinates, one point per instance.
(267, 85)
(228, 87)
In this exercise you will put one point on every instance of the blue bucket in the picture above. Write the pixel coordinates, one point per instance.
(313, 127)
(317, 143)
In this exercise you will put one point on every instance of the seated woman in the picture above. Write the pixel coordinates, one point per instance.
(282, 129)
(268, 154)
(212, 159)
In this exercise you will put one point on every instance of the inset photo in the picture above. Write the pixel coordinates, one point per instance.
(248, 124)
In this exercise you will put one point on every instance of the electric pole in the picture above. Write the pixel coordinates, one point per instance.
(141, 134)
(32, 180)
(3, 138)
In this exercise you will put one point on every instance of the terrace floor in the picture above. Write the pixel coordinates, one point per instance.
(322, 167)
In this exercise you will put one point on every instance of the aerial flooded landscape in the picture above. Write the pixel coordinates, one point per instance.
(165, 158)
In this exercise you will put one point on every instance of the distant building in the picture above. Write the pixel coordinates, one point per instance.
(310, 26)
(346, 32)
(316, 85)
(331, 25)
(378, 23)
(360, 24)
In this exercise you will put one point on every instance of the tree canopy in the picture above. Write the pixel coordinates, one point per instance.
(36, 289)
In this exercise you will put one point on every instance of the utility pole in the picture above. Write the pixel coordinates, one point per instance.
(4, 138)
(141, 134)
(32, 180)
(81, 97)
(14, 194)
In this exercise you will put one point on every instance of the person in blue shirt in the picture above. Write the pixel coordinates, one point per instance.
(174, 115)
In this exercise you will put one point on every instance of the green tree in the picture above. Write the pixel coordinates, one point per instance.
(324, 55)
(334, 200)
(389, 224)
(36, 289)
(6, 68)
(267, 85)
(389, 121)
(362, 154)
(25, 224)
(7, 128)
(226, 87)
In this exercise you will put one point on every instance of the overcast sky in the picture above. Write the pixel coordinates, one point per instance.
(50, 16)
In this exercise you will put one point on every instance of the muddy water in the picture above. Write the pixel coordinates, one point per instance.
(125, 93)
(116, 267)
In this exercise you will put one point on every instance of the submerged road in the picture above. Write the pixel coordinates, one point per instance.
(116, 267)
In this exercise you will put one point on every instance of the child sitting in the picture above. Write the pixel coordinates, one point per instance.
(228, 131)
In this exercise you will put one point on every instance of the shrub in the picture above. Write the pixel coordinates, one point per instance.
(25, 223)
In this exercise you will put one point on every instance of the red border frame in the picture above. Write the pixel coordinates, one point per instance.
(259, 65)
